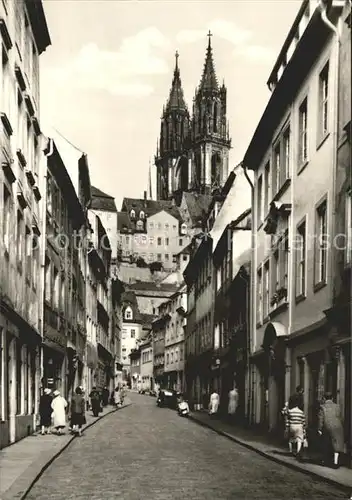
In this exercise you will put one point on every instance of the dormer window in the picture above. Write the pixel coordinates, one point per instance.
(183, 228)
(140, 225)
(128, 313)
(133, 214)
(141, 215)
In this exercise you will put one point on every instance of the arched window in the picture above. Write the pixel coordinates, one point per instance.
(140, 225)
(215, 117)
(141, 215)
(132, 214)
(183, 228)
(128, 313)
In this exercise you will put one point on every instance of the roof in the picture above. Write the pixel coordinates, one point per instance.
(123, 221)
(130, 299)
(186, 250)
(102, 201)
(150, 207)
(176, 99)
(147, 319)
(197, 205)
(209, 81)
(152, 286)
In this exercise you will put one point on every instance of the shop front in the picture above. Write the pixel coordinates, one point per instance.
(105, 368)
(19, 376)
(92, 365)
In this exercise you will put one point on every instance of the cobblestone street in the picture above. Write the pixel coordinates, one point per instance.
(148, 453)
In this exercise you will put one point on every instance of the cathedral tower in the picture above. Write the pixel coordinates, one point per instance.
(209, 131)
(171, 156)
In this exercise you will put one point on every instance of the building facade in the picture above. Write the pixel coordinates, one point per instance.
(193, 151)
(146, 364)
(292, 265)
(100, 255)
(103, 205)
(24, 36)
(174, 339)
(339, 315)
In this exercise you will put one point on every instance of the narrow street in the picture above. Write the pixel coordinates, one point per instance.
(144, 452)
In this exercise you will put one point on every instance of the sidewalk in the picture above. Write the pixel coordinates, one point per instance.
(264, 446)
(23, 462)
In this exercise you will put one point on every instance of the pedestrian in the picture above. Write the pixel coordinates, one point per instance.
(214, 403)
(95, 401)
(233, 402)
(59, 405)
(297, 397)
(45, 412)
(78, 411)
(295, 425)
(117, 398)
(122, 394)
(331, 427)
(105, 396)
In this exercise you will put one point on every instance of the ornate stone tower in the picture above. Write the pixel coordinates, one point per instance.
(171, 156)
(209, 131)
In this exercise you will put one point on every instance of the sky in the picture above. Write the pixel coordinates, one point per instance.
(108, 72)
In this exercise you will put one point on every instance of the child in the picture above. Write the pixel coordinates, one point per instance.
(295, 425)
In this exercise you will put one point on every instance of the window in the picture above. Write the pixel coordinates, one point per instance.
(166, 227)
(151, 225)
(35, 259)
(6, 218)
(56, 288)
(167, 358)
(172, 357)
(276, 271)
(18, 378)
(286, 155)
(141, 215)
(159, 257)
(127, 240)
(47, 280)
(29, 145)
(166, 242)
(159, 242)
(28, 244)
(183, 228)
(266, 297)
(151, 240)
(6, 92)
(159, 225)
(260, 200)
(323, 102)
(267, 186)
(19, 236)
(348, 217)
(133, 333)
(128, 313)
(132, 214)
(167, 257)
(303, 132)
(140, 225)
(301, 260)
(174, 227)
(277, 168)
(184, 257)
(180, 242)
(124, 333)
(321, 244)
(151, 256)
(259, 296)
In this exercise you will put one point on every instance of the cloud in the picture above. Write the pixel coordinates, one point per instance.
(256, 53)
(239, 37)
(118, 73)
(220, 28)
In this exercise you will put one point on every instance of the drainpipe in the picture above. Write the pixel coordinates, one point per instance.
(335, 122)
(250, 294)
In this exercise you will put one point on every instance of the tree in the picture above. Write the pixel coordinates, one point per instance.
(141, 262)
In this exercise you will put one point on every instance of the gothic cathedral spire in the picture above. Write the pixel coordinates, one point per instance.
(174, 132)
(210, 135)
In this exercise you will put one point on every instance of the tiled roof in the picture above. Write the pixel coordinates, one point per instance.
(102, 201)
(197, 204)
(147, 319)
(152, 286)
(150, 207)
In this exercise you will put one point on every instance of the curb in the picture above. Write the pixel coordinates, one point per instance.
(293, 466)
(26, 482)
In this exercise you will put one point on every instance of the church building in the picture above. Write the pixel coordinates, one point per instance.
(193, 150)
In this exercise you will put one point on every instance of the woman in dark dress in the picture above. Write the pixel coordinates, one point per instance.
(45, 412)
(78, 409)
